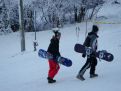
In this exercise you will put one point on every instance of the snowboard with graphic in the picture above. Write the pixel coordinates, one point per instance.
(100, 54)
(62, 60)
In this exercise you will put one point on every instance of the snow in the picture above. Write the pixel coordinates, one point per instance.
(111, 12)
(25, 71)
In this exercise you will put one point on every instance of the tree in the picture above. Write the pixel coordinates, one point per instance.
(4, 18)
(28, 18)
(21, 26)
(93, 6)
(14, 17)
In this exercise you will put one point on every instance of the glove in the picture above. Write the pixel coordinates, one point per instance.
(83, 55)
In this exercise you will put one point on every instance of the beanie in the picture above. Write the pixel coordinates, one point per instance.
(95, 28)
(57, 33)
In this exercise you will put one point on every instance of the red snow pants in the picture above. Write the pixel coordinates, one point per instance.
(53, 68)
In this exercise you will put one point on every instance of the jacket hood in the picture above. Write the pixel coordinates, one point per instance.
(93, 33)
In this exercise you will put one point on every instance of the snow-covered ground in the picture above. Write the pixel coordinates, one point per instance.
(110, 12)
(28, 72)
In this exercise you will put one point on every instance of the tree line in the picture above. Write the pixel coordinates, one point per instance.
(46, 14)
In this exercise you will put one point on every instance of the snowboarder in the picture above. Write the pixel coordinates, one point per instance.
(90, 41)
(54, 50)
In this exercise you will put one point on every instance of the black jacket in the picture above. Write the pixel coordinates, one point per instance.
(91, 40)
(54, 47)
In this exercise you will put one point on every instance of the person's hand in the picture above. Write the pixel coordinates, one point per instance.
(83, 55)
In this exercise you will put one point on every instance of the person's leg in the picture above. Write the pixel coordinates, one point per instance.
(83, 69)
(53, 69)
(93, 67)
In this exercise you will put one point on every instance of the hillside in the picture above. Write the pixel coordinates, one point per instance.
(28, 72)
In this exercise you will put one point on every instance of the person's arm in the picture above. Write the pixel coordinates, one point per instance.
(93, 43)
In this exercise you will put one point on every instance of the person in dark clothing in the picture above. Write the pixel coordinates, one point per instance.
(54, 50)
(90, 41)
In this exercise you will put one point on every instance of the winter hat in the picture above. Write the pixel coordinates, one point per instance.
(57, 33)
(95, 28)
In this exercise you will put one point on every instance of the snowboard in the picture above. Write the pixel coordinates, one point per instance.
(100, 54)
(62, 60)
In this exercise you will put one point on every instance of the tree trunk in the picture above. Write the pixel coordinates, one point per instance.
(21, 26)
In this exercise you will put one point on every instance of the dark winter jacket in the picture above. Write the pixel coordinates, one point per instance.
(54, 47)
(91, 41)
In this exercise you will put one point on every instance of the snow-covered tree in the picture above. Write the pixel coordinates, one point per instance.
(92, 7)
(28, 18)
(4, 18)
(14, 17)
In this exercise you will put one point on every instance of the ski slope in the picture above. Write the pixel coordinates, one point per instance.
(27, 72)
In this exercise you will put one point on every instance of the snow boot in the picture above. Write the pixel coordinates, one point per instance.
(50, 80)
(93, 75)
(80, 77)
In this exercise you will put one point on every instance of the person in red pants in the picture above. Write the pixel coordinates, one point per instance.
(54, 50)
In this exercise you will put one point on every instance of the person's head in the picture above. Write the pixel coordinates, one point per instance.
(95, 28)
(57, 34)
